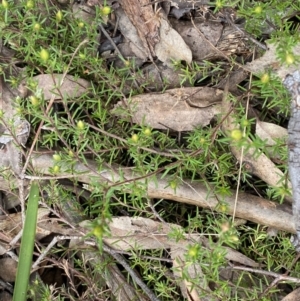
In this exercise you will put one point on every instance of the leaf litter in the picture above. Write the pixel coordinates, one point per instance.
(156, 39)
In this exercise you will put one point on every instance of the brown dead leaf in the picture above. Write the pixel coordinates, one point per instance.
(130, 33)
(83, 12)
(143, 18)
(171, 45)
(127, 233)
(11, 224)
(201, 46)
(153, 75)
(270, 61)
(14, 131)
(50, 84)
(270, 131)
(209, 40)
(293, 296)
(180, 109)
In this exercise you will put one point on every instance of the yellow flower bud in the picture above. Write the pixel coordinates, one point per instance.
(173, 184)
(59, 16)
(233, 238)
(289, 58)
(80, 125)
(135, 138)
(193, 251)
(258, 10)
(98, 232)
(223, 208)
(219, 4)
(29, 4)
(106, 10)
(34, 100)
(56, 169)
(147, 132)
(37, 27)
(265, 78)
(56, 157)
(82, 55)
(4, 4)
(236, 135)
(44, 55)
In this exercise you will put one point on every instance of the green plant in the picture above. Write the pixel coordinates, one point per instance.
(79, 129)
(27, 244)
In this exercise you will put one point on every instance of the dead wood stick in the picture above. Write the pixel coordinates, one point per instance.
(145, 21)
(249, 207)
(119, 258)
(292, 82)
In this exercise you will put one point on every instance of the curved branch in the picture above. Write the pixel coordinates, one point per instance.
(249, 207)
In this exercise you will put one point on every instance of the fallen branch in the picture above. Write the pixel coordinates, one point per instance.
(249, 207)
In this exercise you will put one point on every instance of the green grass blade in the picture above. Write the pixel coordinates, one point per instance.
(27, 244)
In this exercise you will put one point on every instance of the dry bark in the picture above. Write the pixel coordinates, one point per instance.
(249, 207)
(292, 82)
(143, 18)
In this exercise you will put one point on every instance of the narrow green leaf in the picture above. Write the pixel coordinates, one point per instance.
(27, 244)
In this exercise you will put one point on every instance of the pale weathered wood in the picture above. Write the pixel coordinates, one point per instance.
(292, 82)
(142, 16)
(249, 207)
